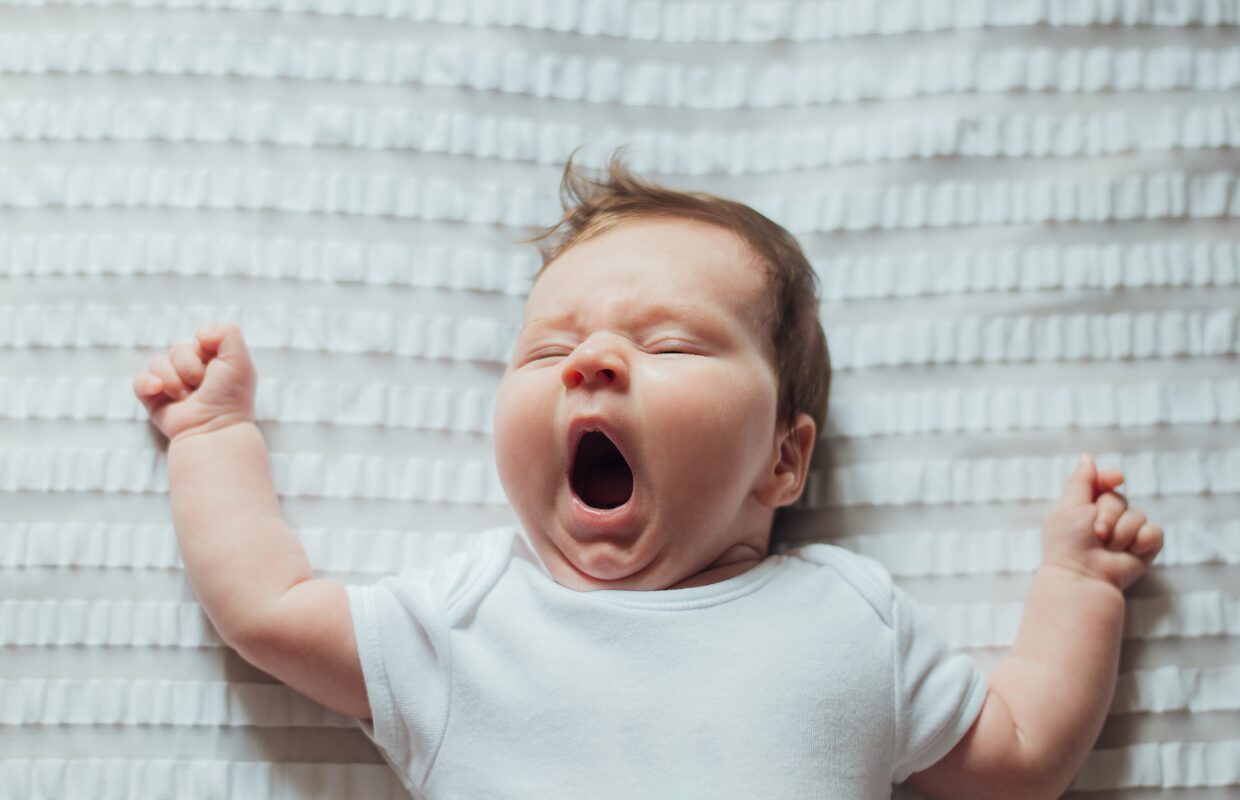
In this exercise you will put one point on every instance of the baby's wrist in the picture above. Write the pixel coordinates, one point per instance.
(219, 423)
(1077, 569)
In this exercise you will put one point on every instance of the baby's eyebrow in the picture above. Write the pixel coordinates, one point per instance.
(698, 315)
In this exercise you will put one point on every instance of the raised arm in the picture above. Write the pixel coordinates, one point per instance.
(245, 564)
(240, 554)
(1047, 701)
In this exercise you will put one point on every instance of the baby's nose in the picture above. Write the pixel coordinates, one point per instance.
(595, 363)
(574, 378)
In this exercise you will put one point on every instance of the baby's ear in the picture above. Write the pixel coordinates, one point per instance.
(786, 480)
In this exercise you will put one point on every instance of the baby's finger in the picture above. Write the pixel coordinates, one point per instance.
(146, 384)
(189, 367)
(1126, 529)
(161, 367)
(148, 388)
(1108, 479)
(1110, 506)
(1149, 542)
(211, 336)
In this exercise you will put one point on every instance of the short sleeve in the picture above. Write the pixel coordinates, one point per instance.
(403, 643)
(938, 694)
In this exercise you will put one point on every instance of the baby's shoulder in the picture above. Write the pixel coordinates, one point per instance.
(867, 577)
(458, 581)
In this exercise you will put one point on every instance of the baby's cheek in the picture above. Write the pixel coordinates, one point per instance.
(713, 425)
(523, 437)
(727, 397)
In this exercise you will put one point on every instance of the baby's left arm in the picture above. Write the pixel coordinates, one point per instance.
(1047, 701)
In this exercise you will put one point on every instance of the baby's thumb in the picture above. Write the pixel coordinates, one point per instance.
(1079, 488)
(226, 341)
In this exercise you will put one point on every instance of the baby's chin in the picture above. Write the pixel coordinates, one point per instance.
(606, 564)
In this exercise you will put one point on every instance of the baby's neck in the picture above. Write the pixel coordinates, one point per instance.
(716, 574)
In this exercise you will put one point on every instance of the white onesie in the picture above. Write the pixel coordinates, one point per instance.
(810, 675)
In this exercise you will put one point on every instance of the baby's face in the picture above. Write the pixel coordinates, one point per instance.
(648, 332)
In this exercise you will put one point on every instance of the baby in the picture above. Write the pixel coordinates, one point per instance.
(633, 636)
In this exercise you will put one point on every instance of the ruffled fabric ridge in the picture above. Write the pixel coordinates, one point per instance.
(941, 204)
(300, 474)
(532, 139)
(1162, 764)
(1026, 268)
(1022, 338)
(160, 702)
(732, 84)
(950, 552)
(123, 545)
(419, 407)
(730, 20)
(1025, 408)
(1016, 478)
(242, 188)
(1189, 614)
(105, 623)
(1170, 764)
(154, 779)
(342, 261)
(324, 330)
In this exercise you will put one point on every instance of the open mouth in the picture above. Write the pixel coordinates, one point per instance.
(600, 476)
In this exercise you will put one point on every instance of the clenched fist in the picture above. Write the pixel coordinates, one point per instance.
(200, 386)
(1092, 530)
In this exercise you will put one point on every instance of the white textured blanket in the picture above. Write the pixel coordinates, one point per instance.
(1023, 212)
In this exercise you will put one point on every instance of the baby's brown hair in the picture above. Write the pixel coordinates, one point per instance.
(797, 345)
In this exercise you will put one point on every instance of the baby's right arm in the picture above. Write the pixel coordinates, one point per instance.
(245, 564)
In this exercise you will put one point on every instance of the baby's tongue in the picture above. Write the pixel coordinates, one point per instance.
(609, 486)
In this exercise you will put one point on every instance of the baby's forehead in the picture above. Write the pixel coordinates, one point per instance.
(688, 303)
(637, 295)
(640, 267)
(560, 291)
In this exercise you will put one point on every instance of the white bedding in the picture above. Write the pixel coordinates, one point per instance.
(1024, 215)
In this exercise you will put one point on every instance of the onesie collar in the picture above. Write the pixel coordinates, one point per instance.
(712, 594)
(671, 599)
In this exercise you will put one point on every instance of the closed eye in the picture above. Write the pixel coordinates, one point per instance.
(670, 349)
(662, 352)
(673, 348)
